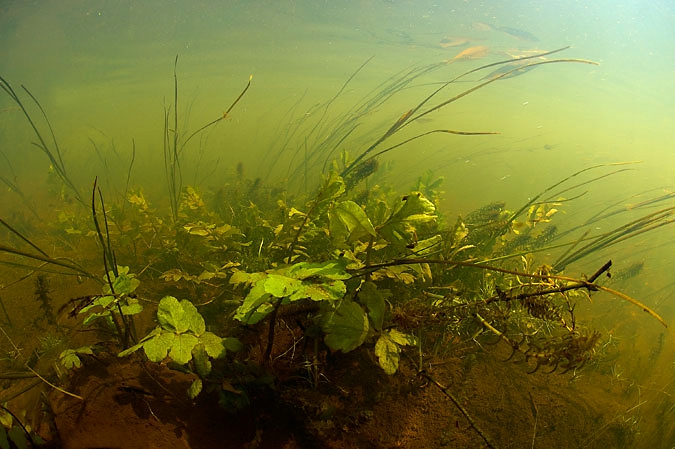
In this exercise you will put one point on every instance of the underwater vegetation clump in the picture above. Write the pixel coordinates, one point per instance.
(249, 287)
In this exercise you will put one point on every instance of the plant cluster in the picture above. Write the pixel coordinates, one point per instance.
(350, 267)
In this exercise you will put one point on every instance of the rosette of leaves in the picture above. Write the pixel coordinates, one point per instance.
(70, 358)
(182, 337)
(273, 288)
(123, 285)
(409, 223)
(404, 222)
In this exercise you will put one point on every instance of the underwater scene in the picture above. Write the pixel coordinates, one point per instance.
(346, 224)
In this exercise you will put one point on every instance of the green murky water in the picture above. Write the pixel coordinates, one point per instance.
(103, 73)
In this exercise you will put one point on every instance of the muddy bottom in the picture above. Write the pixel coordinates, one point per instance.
(131, 403)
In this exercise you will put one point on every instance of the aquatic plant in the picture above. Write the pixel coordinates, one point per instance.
(175, 143)
(117, 303)
(13, 433)
(50, 149)
(338, 269)
(182, 337)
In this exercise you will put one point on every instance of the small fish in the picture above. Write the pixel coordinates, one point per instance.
(506, 68)
(476, 52)
(453, 42)
(518, 34)
(513, 32)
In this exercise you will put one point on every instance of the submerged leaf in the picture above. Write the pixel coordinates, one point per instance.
(192, 317)
(403, 222)
(213, 345)
(324, 291)
(333, 269)
(232, 344)
(18, 437)
(388, 349)
(195, 388)
(124, 283)
(181, 349)
(201, 361)
(401, 338)
(157, 348)
(388, 354)
(332, 189)
(281, 286)
(256, 297)
(179, 317)
(133, 307)
(242, 277)
(170, 315)
(349, 222)
(346, 327)
(374, 300)
(4, 441)
(174, 275)
(70, 357)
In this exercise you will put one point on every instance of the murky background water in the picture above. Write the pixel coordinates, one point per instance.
(103, 72)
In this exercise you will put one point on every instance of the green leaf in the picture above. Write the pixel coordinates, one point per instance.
(256, 297)
(332, 269)
(417, 209)
(332, 189)
(388, 349)
(213, 345)
(195, 321)
(412, 212)
(179, 317)
(156, 331)
(346, 327)
(69, 358)
(374, 300)
(232, 344)
(170, 315)
(100, 301)
(4, 441)
(181, 349)
(158, 347)
(130, 350)
(428, 246)
(242, 277)
(349, 222)
(195, 388)
(200, 228)
(401, 338)
(18, 437)
(132, 307)
(201, 360)
(125, 283)
(93, 317)
(259, 314)
(281, 286)
(326, 291)
(6, 419)
(388, 354)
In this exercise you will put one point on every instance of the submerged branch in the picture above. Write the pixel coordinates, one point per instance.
(588, 284)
